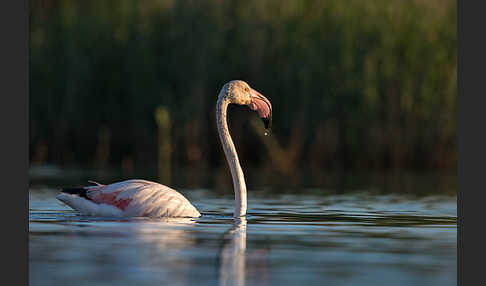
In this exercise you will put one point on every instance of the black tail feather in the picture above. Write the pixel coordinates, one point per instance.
(76, 191)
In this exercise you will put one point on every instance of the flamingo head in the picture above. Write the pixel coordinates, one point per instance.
(239, 92)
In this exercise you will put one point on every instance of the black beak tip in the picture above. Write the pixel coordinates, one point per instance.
(267, 121)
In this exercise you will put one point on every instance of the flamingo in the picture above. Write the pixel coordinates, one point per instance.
(135, 197)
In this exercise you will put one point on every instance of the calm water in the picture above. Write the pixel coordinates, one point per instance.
(316, 239)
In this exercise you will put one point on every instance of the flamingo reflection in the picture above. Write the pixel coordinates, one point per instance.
(233, 254)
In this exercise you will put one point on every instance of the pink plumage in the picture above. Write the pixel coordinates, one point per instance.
(129, 199)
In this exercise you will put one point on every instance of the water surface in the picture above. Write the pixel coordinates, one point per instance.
(307, 237)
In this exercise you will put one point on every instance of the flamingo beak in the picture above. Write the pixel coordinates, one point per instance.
(262, 106)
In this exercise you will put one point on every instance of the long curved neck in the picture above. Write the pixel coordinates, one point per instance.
(239, 185)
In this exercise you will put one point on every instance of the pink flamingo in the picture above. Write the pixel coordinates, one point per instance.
(132, 198)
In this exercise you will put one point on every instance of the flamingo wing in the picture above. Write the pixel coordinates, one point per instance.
(128, 199)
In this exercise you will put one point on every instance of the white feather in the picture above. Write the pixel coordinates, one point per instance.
(145, 199)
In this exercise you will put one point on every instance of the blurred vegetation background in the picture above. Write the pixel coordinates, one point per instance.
(356, 86)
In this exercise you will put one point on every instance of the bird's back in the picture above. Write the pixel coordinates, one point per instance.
(130, 198)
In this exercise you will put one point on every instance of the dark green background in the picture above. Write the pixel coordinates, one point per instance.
(356, 86)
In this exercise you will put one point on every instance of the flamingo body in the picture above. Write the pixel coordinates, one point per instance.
(130, 198)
